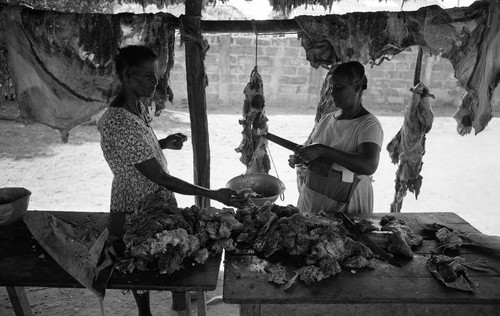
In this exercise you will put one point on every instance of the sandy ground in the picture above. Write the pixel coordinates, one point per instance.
(460, 174)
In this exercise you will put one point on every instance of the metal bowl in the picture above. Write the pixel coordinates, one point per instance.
(13, 204)
(265, 185)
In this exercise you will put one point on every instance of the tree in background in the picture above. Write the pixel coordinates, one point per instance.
(82, 6)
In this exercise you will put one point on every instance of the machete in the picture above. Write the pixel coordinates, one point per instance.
(281, 141)
(361, 236)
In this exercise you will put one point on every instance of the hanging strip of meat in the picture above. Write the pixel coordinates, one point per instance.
(408, 146)
(475, 107)
(253, 146)
(61, 64)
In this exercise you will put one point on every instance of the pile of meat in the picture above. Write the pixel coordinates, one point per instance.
(320, 244)
(451, 271)
(400, 239)
(164, 237)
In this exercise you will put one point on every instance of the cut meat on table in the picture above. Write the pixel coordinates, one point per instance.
(162, 237)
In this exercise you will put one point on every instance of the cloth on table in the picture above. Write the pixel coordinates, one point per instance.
(80, 250)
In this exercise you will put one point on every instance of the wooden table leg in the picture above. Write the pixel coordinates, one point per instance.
(19, 301)
(250, 310)
(182, 303)
(200, 303)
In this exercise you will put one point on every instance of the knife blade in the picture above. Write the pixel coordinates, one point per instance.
(361, 236)
(281, 141)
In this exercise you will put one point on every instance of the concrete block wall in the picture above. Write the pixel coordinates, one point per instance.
(289, 78)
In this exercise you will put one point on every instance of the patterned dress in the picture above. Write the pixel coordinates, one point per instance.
(126, 140)
(345, 135)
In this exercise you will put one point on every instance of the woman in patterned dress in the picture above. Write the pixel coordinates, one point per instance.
(132, 150)
(349, 142)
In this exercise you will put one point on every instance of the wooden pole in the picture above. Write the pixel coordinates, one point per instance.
(195, 76)
(418, 66)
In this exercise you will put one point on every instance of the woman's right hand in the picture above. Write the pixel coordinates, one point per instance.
(174, 141)
(229, 197)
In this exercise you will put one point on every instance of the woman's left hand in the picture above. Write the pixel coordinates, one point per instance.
(174, 141)
(294, 160)
(310, 152)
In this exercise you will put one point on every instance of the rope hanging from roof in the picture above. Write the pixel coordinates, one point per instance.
(254, 27)
(190, 32)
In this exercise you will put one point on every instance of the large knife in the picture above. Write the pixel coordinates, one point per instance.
(281, 141)
(320, 165)
(362, 237)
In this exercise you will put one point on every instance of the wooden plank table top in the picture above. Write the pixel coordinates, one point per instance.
(246, 283)
(24, 263)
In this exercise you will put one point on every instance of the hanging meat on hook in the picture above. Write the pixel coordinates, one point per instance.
(253, 146)
(408, 146)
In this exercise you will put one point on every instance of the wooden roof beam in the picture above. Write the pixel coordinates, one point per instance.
(247, 26)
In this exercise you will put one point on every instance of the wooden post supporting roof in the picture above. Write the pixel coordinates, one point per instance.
(195, 76)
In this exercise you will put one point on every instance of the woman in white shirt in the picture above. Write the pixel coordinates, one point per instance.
(348, 143)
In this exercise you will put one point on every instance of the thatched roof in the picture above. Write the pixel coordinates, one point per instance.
(106, 6)
(466, 36)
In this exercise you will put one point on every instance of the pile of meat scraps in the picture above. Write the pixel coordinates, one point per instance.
(402, 240)
(163, 237)
(451, 237)
(317, 246)
(451, 272)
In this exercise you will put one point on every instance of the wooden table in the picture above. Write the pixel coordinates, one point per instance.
(23, 263)
(386, 290)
